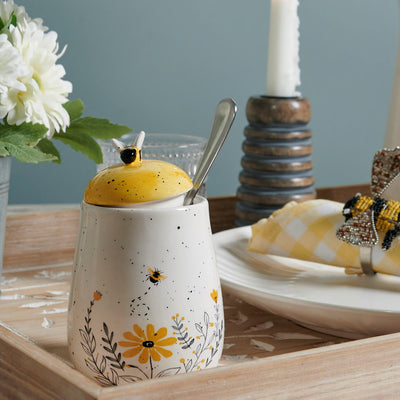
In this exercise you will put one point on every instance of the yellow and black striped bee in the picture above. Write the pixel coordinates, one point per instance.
(155, 276)
(365, 216)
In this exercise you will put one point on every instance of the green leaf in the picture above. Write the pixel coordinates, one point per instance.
(83, 143)
(25, 133)
(99, 128)
(28, 154)
(74, 109)
(47, 147)
(3, 151)
(13, 19)
(18, 141)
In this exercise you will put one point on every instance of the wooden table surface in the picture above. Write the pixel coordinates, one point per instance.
(265, 356)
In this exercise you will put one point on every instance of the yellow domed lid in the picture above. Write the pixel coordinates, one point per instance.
(136, 180)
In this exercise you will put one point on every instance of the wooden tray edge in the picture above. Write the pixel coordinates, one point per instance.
(364, 368)
(36, 373)
(367, 367)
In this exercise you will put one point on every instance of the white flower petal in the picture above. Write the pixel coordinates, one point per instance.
(12, 66)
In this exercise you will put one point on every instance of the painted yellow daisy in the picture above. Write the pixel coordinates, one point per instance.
(147, 344)
(214, 295)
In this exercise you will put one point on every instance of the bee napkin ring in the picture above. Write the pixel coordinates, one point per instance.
(365, 216)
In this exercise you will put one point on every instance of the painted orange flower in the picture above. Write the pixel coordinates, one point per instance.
(147, 344)
(97, 295)
(214, 295)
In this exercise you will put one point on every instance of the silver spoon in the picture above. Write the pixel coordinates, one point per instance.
(223, 119)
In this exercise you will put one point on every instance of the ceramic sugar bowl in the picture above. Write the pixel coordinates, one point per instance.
(145, 298)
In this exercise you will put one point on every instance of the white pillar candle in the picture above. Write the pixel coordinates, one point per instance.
(392, 136)
(283, 72)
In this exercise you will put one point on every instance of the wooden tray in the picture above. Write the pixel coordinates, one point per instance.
(265, 356)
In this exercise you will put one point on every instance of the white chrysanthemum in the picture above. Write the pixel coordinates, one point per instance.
(46, 91)
(12, 68)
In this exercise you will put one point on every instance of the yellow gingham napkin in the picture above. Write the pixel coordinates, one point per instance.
(307, 231)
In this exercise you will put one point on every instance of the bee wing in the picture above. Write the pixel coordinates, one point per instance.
(139, 140)
(359, 230)
(151, 271)
(118, 145)
(385, 168)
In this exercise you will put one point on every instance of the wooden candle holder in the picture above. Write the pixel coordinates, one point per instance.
(277, 164)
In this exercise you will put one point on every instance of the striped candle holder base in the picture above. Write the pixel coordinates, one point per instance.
(277, 163)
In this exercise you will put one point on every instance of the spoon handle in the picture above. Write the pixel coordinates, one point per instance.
(224, 115)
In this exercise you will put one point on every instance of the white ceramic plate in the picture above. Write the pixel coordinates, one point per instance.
(317, 296)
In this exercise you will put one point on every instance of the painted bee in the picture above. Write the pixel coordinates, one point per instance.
(365, 215)
(155, 276)
(139, 305)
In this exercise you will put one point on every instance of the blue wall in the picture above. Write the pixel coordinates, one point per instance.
(163, 66)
